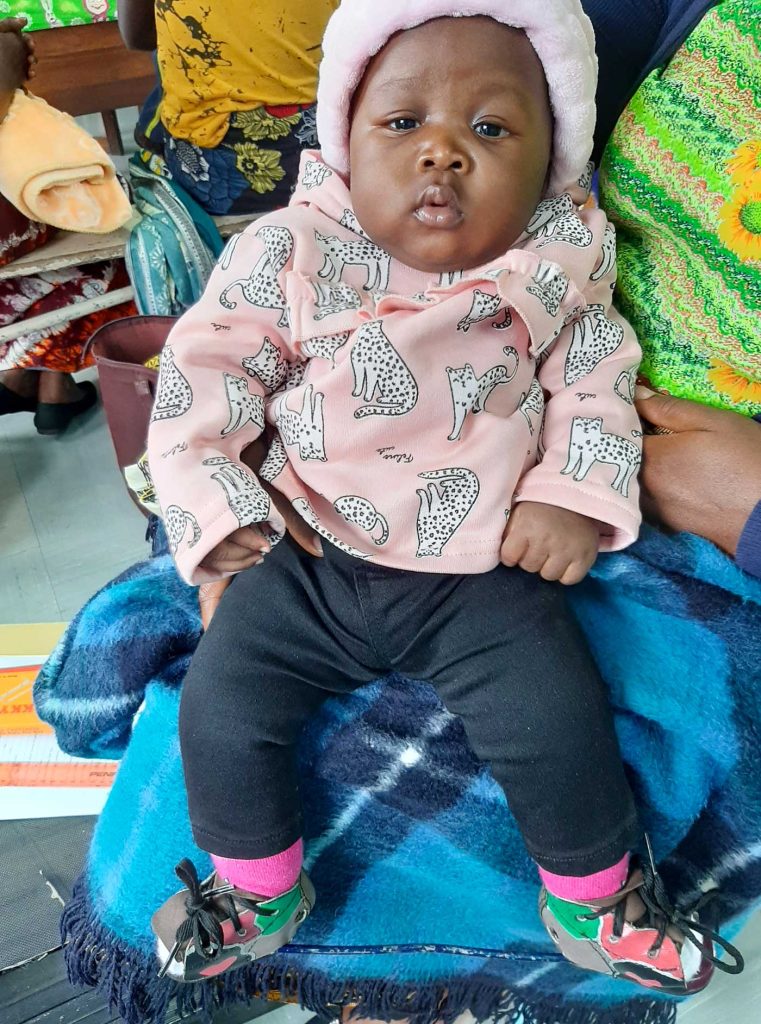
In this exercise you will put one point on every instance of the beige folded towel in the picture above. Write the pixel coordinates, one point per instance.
(55, 173)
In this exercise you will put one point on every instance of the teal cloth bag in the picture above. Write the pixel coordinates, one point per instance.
(172, 248)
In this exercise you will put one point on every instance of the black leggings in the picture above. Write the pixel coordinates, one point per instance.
(500, 648)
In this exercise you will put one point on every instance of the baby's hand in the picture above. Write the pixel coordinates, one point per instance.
(242, 549)
(555, 542)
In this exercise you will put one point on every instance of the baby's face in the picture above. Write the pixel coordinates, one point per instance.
(450, 143)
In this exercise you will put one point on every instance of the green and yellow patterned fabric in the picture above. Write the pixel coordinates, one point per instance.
(41, 14)
(681, 181)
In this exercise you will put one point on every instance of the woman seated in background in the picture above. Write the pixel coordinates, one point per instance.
(235, 106)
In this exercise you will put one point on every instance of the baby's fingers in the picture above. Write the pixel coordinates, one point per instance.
(522, 550)
(233, 562)
(251, 538)
(31, 57)
(555, 567)
(575, 573)
(534, 558)
(514, 546)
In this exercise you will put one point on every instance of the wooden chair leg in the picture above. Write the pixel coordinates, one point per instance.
(113, 135)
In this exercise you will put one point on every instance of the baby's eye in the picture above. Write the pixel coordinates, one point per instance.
(403, 124)
(489, 130)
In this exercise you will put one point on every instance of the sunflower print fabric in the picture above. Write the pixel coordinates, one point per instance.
(252, 170)
(681, 180)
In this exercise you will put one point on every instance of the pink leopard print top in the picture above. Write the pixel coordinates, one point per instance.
(410, 412)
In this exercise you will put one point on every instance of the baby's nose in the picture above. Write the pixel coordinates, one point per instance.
(442, 151)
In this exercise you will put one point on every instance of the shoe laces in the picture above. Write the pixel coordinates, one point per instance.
(660, 913)
(207, 907)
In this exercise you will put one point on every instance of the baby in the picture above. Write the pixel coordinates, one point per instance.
(427, 332)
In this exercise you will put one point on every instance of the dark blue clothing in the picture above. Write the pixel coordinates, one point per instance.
(633, 38)
(748, 555)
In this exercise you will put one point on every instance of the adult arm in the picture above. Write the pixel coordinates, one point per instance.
(704, 476)
(137, 24)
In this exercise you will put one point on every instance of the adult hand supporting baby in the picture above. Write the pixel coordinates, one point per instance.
(210, 594)
(705, 475)
(555, 542)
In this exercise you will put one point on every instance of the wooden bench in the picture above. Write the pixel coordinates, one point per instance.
(87, 69)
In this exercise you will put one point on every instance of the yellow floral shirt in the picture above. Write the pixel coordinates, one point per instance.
(228, 56)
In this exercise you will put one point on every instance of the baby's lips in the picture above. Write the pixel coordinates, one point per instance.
(439, 195)
(438, 207)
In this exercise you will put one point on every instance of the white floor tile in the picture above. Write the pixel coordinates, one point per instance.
(68, 525)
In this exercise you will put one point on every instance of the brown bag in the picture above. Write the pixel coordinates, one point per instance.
(127, 386)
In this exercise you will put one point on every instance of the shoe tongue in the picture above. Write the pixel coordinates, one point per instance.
(635, 911)
(236, 892)
(634, 903)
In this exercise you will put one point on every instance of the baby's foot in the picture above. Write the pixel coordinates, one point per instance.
(211, 926)
(639, 936)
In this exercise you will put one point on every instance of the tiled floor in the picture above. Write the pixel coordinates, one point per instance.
(68, 525)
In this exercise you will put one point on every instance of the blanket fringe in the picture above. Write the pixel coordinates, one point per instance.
(128, 979)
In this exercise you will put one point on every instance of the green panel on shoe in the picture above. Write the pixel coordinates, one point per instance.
(567, 914)
(284, 906)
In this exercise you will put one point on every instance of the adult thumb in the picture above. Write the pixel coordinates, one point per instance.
(672, 414)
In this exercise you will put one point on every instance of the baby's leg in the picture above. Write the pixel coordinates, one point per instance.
(513, 665)
(279, 644)
(270, 658)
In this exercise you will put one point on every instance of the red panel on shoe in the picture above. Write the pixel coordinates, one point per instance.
(634, 944)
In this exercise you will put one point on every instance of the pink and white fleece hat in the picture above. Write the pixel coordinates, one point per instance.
(559, 31)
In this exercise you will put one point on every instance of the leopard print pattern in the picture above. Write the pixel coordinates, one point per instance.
(486, 307)
(378, 368)
(362, 513)
(594, 338)
(444, 504)
(590, 445)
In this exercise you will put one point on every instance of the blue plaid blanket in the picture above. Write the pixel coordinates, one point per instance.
(426, 897)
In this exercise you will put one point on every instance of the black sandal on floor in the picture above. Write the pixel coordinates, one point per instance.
(11, 402)
(54, 417)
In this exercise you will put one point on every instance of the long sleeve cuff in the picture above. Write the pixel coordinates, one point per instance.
(748, 555)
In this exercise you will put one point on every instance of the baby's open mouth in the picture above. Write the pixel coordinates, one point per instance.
(438, 207)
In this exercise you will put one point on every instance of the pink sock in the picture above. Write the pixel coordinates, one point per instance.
(265, 876)
(587, 887)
